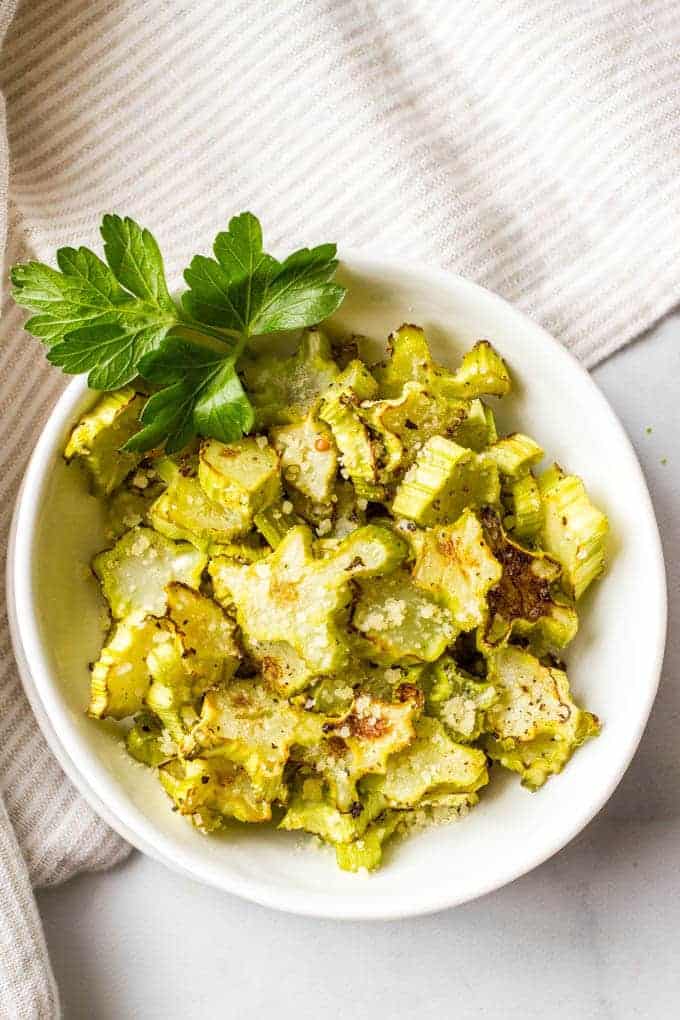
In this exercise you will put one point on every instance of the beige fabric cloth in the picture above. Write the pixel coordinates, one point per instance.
(532, 145)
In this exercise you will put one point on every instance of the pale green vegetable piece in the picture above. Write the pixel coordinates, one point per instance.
(282, 667)
(477, 429)
(405, 422)
(284, 390)
(350, 511)
(361, 743)
(445, 479)
(146, 743)
(311, 810)
(492, 431)
(294, 597)
(99, 435)
(574, 530)
(185, 513)
(129, 507)
(433, 764)
(359, 448)
(250, 725)
(400, 622)
(523, 601)
(194, 649)
(120, 678)
(515, 455)
(482, 370)
(535, 726)
(135, 572)
(309, 459)
(459, 700)
(409, 361)
(274, 523)
(366, 851)
(211, 790)
(454, 562)
(241, 476)
(527, 508)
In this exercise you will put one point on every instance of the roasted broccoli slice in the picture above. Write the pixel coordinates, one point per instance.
(433, 764)
(194, 649)
(574, 530)
(185, 513)
(135, 572)
(458, 700)
(525, 601)
(99, 435)
(482, 370)
(445, 479)
(120, 678)
(455, 563)
(247, 723)
(309, 458)
(242, 476)
(535, 727)
(285, 390)
(360, 743)
(211, 790)
(291, 596)
(398, 622)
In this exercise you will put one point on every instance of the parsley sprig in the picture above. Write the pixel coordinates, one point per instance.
(116, 321)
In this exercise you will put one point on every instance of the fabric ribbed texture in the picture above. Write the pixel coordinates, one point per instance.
(531, 145)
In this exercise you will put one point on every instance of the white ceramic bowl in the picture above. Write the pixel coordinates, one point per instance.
(56, 616)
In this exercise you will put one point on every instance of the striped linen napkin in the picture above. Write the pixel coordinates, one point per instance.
(532, 145)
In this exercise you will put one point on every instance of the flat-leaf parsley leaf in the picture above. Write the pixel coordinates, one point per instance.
(116, 320)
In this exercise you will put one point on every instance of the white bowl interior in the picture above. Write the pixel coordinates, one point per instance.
(613, 665)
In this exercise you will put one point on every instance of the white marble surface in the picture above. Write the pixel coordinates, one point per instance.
(593, 933)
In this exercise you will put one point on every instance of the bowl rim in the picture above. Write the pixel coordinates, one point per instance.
(99, 788)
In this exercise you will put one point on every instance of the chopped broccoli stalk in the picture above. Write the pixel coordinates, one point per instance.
(285, 390)
(523, 601)
(194, 650)
(360, 743)
(574, 530)
(399, 622)
(309, 459)
(454, 562)
(274, 522)
(135, 572)
(293, 597)
(120, 678)
(409, 361)
(241, 476)
(482, 370)
(146, 742)
(99, 435)
(527, 508)
(248, 724)
(445, 479)
(433, 764)
(515, 455)
(458, 700)
(185, 513)
(311, 809)
(359, 448)
(535, 727)
(366, 852)
(211, 790)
